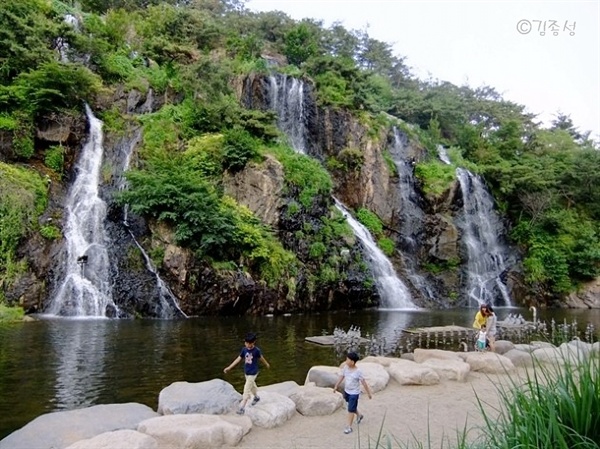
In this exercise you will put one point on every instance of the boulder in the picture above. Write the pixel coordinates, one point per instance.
(449, 369)
(131, 439)
(583, 348)
(487, 362)
(213, 397)
(407, 372)
(520, 358)
(285, 388)
(420, 355)
(61, 429)
(192, 431)
(503, 346)
(565, 354)
(273, 410)
(323, 376)
(376, 375)
(316, 401)
(383, 361)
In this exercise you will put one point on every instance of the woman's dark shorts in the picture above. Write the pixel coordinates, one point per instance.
(352, 400)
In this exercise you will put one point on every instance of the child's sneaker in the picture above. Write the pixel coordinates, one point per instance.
(359, 419)
(241, 411)
(255, 400)
(348, 430)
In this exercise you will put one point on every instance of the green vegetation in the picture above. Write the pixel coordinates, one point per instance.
(304, 176)
(193, 55)
(50, 232)
(55, 159)
(435, 176)
(375, 226)
(557, 407)
(9, 314)
(22, 201)
(441, 266)
(370, 221)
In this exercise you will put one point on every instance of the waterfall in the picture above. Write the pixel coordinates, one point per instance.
(60, 43)
(85, 289)
(488, 258)
(443, 155)
(169, 303)
(412, 216)
(286, 98)
(393, 293)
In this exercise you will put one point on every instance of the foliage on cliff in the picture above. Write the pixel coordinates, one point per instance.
(545, 180)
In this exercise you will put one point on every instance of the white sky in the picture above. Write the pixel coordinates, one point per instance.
(477, 42)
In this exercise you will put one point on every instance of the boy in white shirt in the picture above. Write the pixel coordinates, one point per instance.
(353, 377)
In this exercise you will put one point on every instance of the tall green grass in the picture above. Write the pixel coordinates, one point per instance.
(557, 407)
(552, 407)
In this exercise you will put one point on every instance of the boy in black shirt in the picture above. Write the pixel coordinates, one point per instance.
(251, 355)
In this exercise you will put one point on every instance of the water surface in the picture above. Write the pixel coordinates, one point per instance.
(53, 365)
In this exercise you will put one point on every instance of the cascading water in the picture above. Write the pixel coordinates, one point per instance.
(393, 292)
(411, 215)
(443, 155)
(169, 303)
(488, 258)
(61, 44)
(286, 98)
(85, 289)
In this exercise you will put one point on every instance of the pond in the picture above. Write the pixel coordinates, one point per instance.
(52, 365)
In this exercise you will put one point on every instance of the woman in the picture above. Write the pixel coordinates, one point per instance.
(490, 325)
(481, 317)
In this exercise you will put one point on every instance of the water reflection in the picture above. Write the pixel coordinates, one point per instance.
(79, 347)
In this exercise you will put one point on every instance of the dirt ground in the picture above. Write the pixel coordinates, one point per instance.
(402, 415)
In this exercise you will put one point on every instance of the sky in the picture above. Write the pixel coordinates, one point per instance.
(485, 42)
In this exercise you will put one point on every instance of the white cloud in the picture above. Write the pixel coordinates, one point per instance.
(478, 42)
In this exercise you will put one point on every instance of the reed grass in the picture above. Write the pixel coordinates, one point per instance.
(557, 407)
(552, 407)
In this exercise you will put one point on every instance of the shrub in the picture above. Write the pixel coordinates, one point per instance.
(55, 159)
(436, 177)
(55, 85)
(239, 147)
(303, 174)
(317, 250)
(50, 232)
(23, 199)
(370, 221)
(386, 245)
(351, 158)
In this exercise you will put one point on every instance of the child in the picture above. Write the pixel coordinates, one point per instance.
(354, 377)
(482, 339)
(251, 355)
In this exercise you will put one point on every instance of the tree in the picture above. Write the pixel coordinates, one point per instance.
(28, 32)
(301, 43)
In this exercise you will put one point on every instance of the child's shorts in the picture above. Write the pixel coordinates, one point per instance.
(481, 345)
(352, 400)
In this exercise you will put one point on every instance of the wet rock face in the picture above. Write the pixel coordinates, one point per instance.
(259, 188)
(588, 296)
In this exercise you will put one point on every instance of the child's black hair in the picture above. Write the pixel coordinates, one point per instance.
(353, 356)
(250, 337)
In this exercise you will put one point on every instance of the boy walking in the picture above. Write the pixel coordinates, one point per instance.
(353, 377)
(250, 354)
